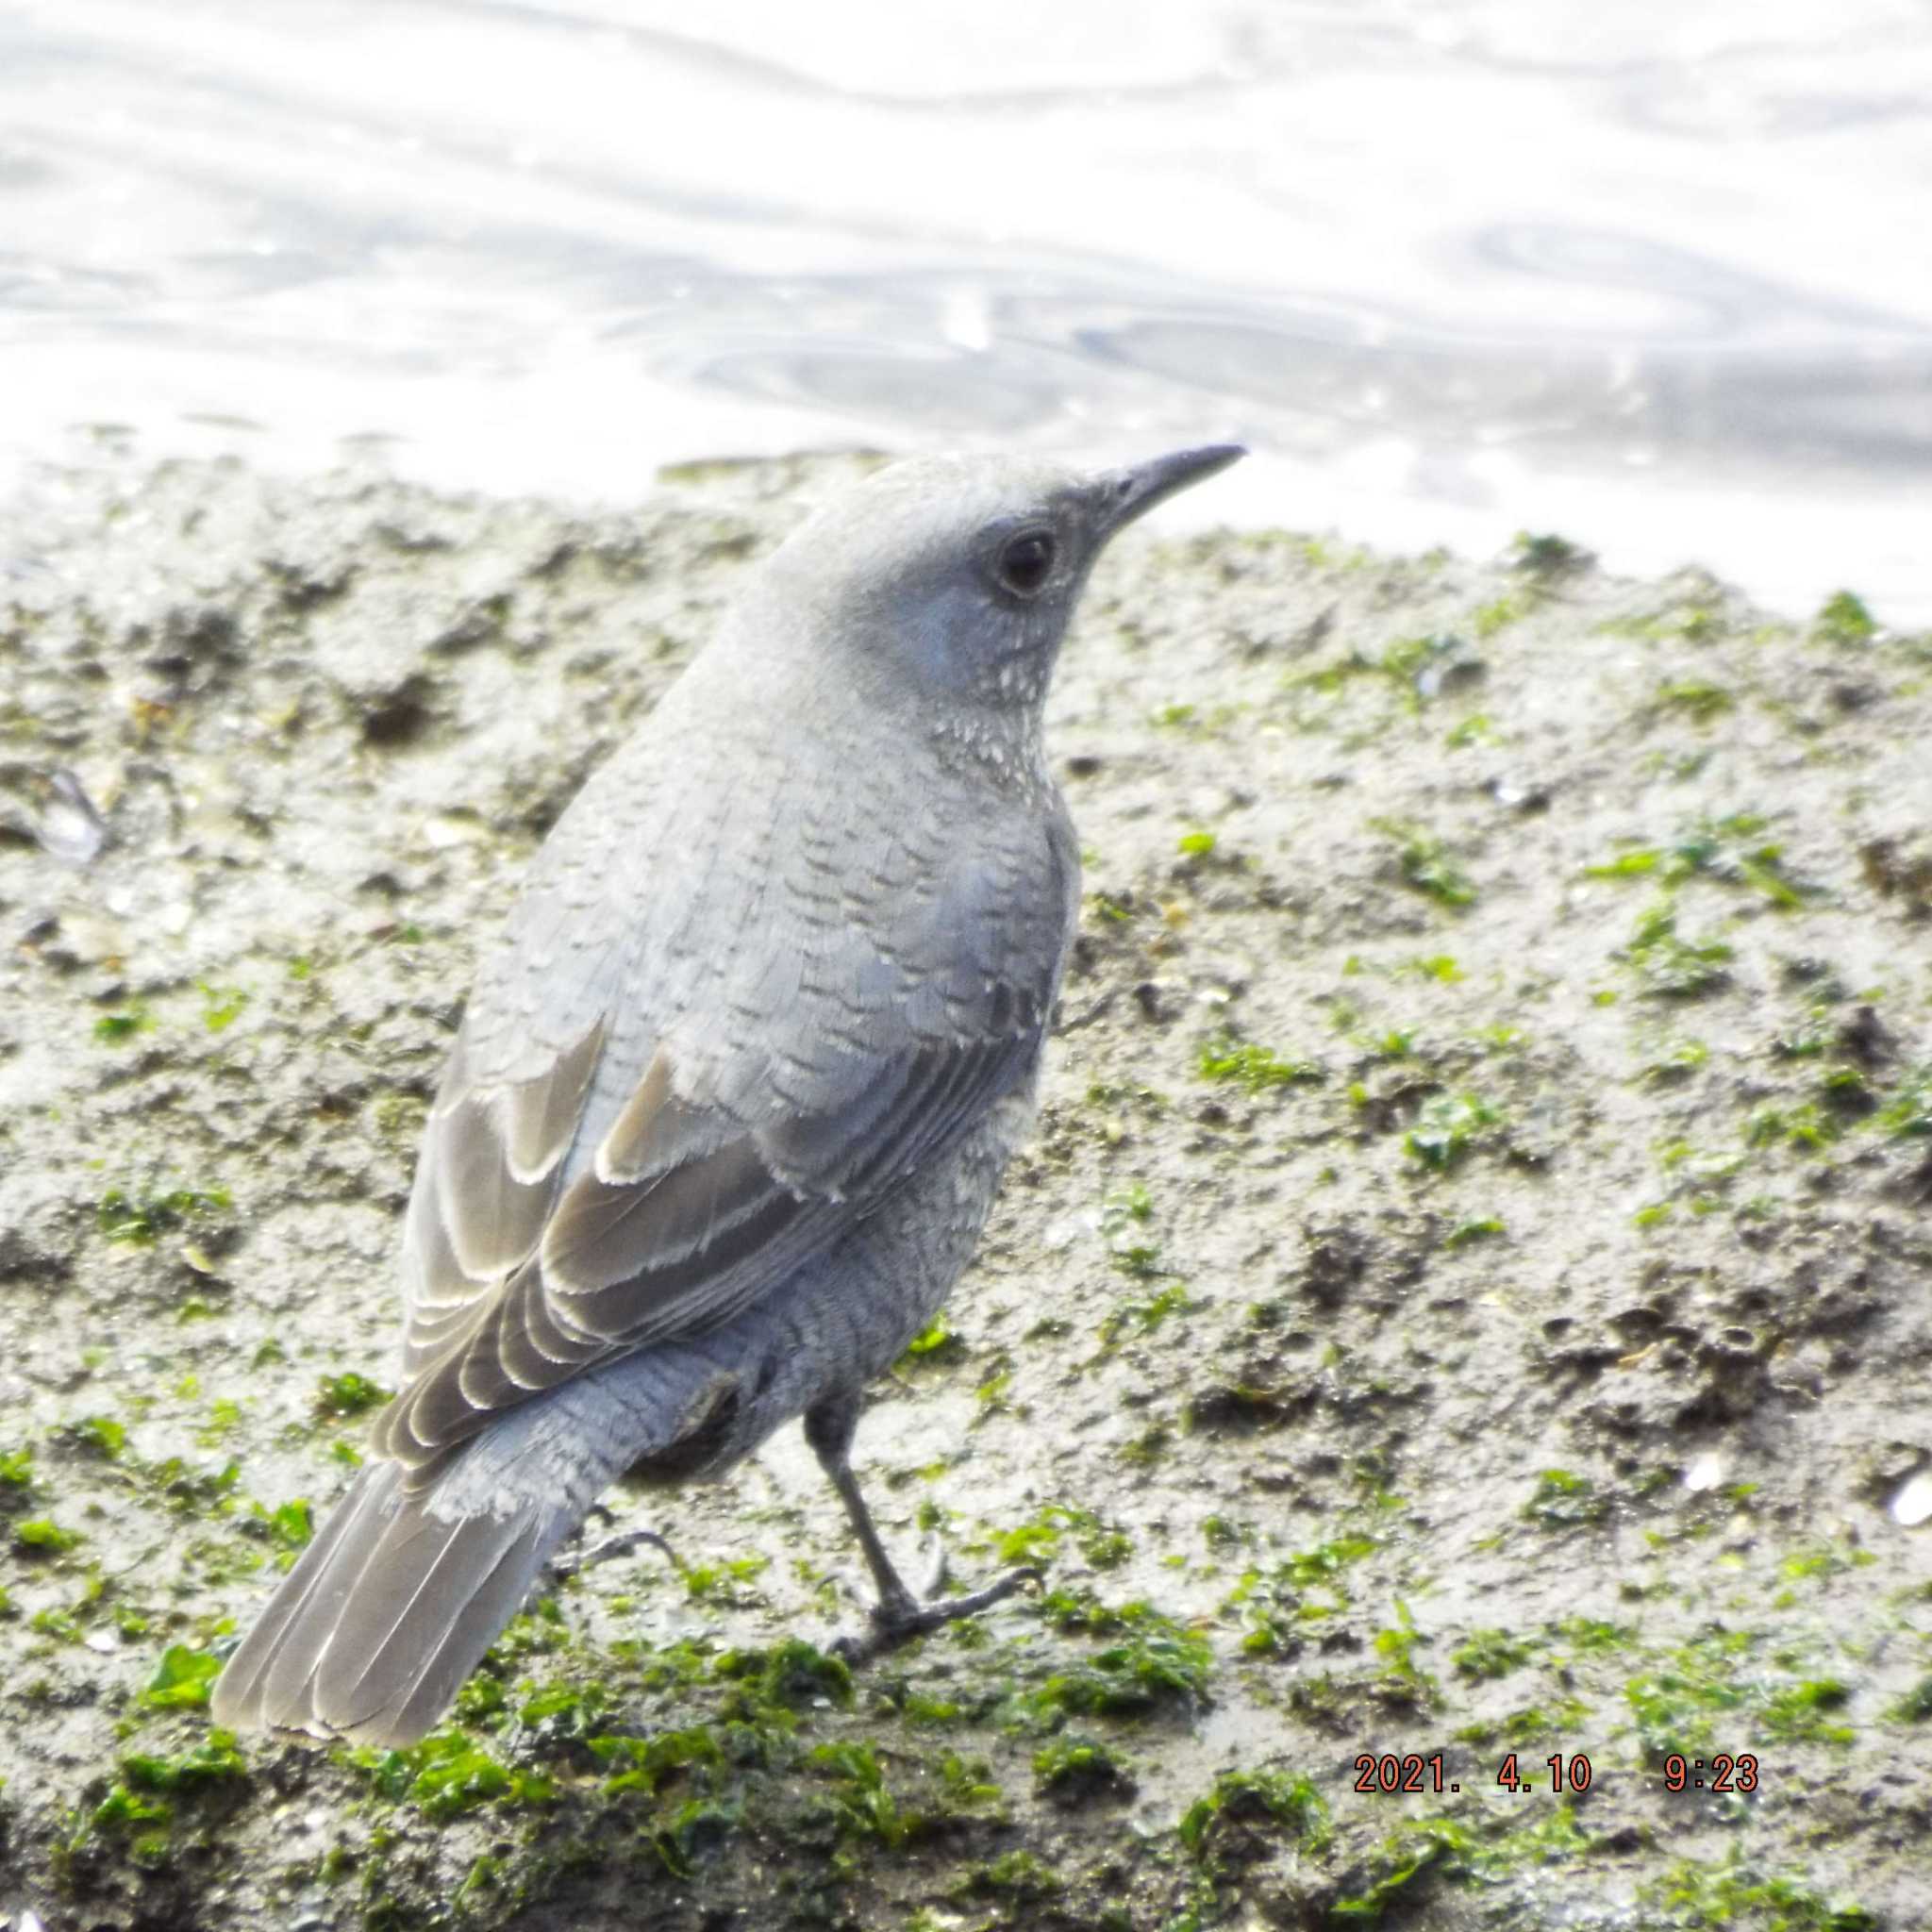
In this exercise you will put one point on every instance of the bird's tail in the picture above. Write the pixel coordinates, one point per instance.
(373, 1632)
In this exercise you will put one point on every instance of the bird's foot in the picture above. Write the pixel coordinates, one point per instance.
(611, 1547)
(897, 1620)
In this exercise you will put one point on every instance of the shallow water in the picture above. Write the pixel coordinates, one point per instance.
(1654, 278)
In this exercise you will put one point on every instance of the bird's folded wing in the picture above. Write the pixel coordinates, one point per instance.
(686, 1211)
(634, 1141)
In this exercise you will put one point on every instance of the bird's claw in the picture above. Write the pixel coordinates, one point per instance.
(892, 1623)
(611, 1547)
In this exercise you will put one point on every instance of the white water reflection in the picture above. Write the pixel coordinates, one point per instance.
(1660, 276)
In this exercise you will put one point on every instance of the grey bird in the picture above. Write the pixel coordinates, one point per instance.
(734, 1090)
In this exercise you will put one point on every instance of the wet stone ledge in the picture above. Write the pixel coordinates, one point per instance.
(1466, 1301)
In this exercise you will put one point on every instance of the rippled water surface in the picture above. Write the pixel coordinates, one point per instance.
(1657, 276)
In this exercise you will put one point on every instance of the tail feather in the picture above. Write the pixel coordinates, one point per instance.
(390, 1609)
(238, 1700)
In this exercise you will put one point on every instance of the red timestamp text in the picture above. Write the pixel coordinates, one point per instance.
(1721, 1772)
(1386, 1772)
(1389, 1773)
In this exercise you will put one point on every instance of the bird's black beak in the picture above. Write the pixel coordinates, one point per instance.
(1124, 495)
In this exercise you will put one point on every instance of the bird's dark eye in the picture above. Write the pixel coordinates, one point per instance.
(1026, 561)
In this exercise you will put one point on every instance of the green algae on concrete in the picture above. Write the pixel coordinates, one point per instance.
(1465, 1300)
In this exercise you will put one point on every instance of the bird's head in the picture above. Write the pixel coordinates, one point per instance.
(952, 579)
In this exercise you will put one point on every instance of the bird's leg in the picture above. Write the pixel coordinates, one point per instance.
(898, 1615)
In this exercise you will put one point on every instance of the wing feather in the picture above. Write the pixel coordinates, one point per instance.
(539, 1118)
(642, 1181)
(602, 1237)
